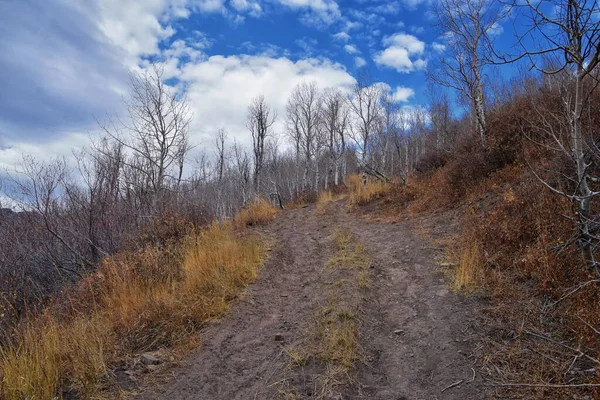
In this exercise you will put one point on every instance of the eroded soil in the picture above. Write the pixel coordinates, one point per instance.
(416, 337)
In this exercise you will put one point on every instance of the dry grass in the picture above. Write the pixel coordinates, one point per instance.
(137, 301)
(332, 337)
(259, 212)
(326, 197)
(469, 273)
(362, 194)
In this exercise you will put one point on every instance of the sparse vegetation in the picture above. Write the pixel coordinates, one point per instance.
(332, 338)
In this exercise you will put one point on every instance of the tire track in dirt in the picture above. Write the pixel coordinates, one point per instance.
(416, 335)
(240, 356)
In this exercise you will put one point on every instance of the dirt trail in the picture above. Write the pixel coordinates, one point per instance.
(416, 335)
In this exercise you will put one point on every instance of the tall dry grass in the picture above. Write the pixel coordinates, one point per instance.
(257, 213)
(361, 194)
(137, 301)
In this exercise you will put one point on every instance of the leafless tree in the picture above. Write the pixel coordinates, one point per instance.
(259, 120)
(567, 33)
(335, 120)
(156, 130)
(303, 118)
(364, 102)
(221, 155)
(468, 26)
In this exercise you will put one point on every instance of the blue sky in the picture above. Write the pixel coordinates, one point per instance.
(65, 63)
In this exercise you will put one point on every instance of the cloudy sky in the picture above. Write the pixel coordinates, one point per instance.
(65, 63)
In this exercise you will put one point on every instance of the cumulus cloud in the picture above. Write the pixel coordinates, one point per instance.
(221, 87)
(402, 53)
(359, 62)
(351, 49)
(402, 94)
(439, 47)
(318, 11)
(343, 36)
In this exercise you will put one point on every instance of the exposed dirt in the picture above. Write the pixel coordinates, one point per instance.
(417, 336)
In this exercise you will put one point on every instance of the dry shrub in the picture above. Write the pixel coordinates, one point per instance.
(259, 212)
(362, 194)
(137, 301)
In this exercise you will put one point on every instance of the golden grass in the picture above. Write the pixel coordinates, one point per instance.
(469, 273)
(259, 212)
(362, 194)
(137, 301)
(332, 337)
(326, 197)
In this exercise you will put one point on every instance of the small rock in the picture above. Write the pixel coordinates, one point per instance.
(279, 337)
(399, 331)
(149, 359)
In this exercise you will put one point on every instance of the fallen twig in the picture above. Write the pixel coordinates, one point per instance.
(581, 353)
(575, 289)
(473, 378)
(452, 385)
(546, 385)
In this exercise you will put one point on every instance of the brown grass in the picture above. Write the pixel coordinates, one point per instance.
(137, 301)
(332, 338)
(326, 197)
(362, 194)
(469, 273)
(259, 212)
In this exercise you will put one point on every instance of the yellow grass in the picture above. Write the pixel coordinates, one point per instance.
(326, 197)
(258, 213)
(469, 273)
(137, 302)
(362, 194)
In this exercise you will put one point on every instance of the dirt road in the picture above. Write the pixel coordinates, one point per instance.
(415, 336)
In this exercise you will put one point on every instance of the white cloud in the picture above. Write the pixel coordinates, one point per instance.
(343, 36)
(402, 53)
(402, 94)
(496, 29)
(221, 87)
(439, 47)
(359, 62)
(321, 11)
(252, 7)
(351, 49)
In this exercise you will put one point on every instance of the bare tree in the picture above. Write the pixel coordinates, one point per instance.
(303, 115)
(156, 130)
(364, 103)
(221, 155)
(335, 120)
(468, 25)
(259, 120)
(567, 33)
